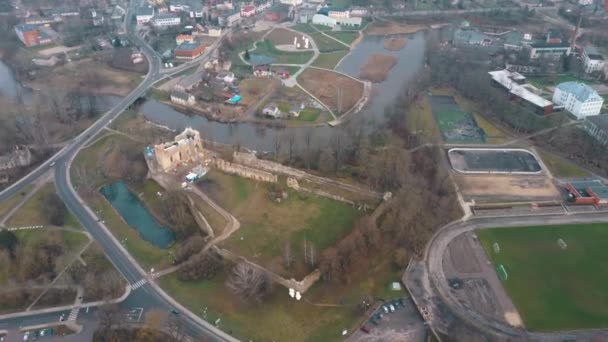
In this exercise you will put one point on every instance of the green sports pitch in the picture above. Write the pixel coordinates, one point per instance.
(555, 285)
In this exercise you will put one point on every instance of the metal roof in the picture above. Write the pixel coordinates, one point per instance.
(581, 91)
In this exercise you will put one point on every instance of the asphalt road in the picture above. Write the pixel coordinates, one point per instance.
(147, 296)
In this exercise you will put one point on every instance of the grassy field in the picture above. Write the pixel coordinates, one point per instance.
(267, 225)
(7, 205)
(347, 37)
(420, 119)
(554, 288)
(562, 168)
(329, 60)
(281, 318)
(309, 114)
(305, 28)
(281, 57)
(30, 213)
(326, 44)
(494, 135)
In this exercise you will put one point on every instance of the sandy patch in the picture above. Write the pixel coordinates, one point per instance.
(395, 43)
(513, 319)
(390, 27)
(377, 66)
(512, 186)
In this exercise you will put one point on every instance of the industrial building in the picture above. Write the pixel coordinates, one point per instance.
(189, 50)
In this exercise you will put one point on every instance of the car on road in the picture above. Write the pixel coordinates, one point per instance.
(52, 164)
(174, 311)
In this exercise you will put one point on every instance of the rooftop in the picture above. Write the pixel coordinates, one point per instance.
(26, 27)
(145, 11)
(601, 121)
(581, 91)
(180, 95)
(185, 46)
(165, 16)
(545, 45)
(582, 186)
(600, 192)
(507, 79)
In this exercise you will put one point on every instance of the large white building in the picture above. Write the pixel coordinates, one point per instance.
(166, 20)
(320, 19)
(144, 15)
(593, 60)
(578, 98)
(192, 7)
(291, 2)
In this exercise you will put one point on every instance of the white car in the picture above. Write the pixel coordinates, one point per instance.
(385, 308)
(391, 307)
(26, 336)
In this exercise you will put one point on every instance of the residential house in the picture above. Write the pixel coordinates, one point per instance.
(515, 83)
(272, 110)
(470, 36)
(262, 5)
(282, 72)
(182, 98)
(118, 12)
(144, 15)
(163, 20)
(194, 8)
(291, 2)
(189, 50)
(597, 127)
(184, 38)
(229, 19)
(262, 71)
(19, 157)
(578, 98)
(32, 35)
(191, 81)
(248, 11)
(358, 11)
(593, 61)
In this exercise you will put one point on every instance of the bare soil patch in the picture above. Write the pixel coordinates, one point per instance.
(326, 85)
(390, 27)
(507, 186)
(377, 66)
(395, 43)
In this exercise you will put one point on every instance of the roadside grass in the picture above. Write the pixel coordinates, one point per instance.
(267, 226)
(329, 60)
(554, 288)
(562, 168)
(326, 44)
(30, 213)
(281, 57)
(309, 114)
(322, 27)
(347, 37)
(215, 220)
(12, 201)
(293, 69)
(281, 318)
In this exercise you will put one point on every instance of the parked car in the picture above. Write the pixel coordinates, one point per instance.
(385, 308)
(396, 303)
(391, 307)
(365, 329)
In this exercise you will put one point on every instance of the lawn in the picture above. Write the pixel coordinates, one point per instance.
(347, 37)
(7, 205)
(326, 44)
(420, 120)
(554, 288)
(562, 168)
(329, 60)
(281, 57)
(494, 135)
(266, 226)
(309, 114)
(305, 28)
(30, 213)
(281, 318)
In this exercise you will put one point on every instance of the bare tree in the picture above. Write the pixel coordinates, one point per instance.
(249, 282)
(308, 141)
(287, 255)
(177, 328)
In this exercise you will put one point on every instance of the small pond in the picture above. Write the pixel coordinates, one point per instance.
(136, 215)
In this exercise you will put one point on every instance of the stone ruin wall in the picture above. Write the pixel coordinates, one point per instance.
(245, 172)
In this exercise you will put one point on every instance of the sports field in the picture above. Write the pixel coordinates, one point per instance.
(554, 287)
(454, 124)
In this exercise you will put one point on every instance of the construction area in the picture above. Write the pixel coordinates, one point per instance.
(455, 125)
(493, 161)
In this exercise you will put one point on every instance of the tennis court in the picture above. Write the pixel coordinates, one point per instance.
(490, 160)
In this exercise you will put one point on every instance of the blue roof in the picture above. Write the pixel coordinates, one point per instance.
(188, 46)
(235, 99)
(581, 91)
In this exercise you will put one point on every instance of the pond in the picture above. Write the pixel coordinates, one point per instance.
(136, 215)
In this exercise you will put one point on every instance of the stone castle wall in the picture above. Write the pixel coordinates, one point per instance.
(245, 172)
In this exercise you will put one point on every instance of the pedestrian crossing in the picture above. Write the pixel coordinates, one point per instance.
(73, 314)
(139, 284)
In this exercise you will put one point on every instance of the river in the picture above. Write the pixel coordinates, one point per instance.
(409, 60)
(10, 87)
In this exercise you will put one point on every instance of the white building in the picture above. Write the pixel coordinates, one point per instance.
(592, 60)
(578, 98)
(585, 2)
(338, 14)
(291, 2)
(358, 11)
(192, 7)
(182, 98)
(144, 15)
(166, 20)
(320, 19)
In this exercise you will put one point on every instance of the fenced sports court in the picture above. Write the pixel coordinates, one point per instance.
(493, 161)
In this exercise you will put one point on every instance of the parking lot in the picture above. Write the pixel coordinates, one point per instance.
(396, 320)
